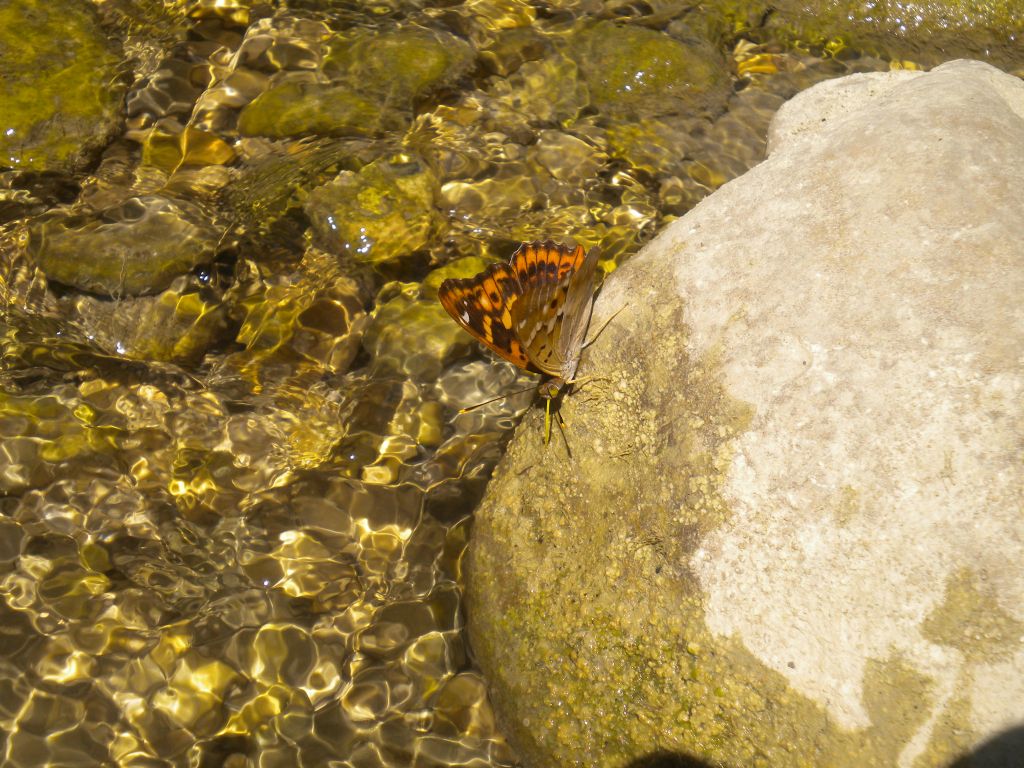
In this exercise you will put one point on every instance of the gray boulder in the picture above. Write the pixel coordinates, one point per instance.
(790, 531)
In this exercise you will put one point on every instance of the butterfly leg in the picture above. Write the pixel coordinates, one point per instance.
(547, 423)
(583, 381)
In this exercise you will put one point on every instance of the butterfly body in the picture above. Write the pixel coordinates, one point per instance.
(532, 311)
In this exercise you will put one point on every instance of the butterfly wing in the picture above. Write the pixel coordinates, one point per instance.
(547, 273)
(483, 306)
(579, 302)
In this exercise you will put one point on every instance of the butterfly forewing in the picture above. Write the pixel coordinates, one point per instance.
(483, 306)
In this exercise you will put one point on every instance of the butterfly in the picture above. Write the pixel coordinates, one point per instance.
(533, 311)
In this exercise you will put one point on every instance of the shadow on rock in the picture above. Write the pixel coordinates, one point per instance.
(1005, 750)
(669, 760)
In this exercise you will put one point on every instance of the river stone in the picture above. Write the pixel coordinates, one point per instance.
(399, 66)
(789, 532)
(324, 109)
(137, 247)
(384, 212)
(640, 72)
(60, 98)
(921, 31)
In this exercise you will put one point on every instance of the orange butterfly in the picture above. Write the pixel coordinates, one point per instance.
(533, 311)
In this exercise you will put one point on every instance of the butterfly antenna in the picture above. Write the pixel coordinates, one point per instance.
(605, 325)
(496, 399)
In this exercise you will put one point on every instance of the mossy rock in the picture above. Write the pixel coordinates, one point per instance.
(303, 108)
(413, 334)
(467, 266)
(936, 31)
(137, 248)
(633, 71)
(398, 66)
(931, 33)
(383, 212)
(58, 88)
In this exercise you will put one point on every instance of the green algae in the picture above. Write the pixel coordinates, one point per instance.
(386, 211)
(398, 67)
(971, 620)
(633, 71)
(60, 100)
(293, 109)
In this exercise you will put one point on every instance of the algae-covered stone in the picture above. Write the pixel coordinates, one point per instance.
(383, 212)
(59, 98)
(414, 335)
(322, 109)
(550, 90)
(633, 71)
(136, 248)
(929, 32)
(177, 326)
(926, 33)
(411, 332)
(467, 266)
(398, 66)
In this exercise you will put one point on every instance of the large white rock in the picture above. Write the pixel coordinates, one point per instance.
(792, 528)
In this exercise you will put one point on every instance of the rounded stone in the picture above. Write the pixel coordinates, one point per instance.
(789, 531)
(641, 72)
(59, 90)
(385, 211)
(135, 248)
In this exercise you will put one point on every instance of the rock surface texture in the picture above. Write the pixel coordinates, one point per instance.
(790, 532)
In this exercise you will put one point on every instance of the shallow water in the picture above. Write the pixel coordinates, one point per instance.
(236, 487)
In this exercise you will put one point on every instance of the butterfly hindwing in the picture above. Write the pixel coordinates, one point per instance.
(579, 302)
(545, 271)
(483, 305)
